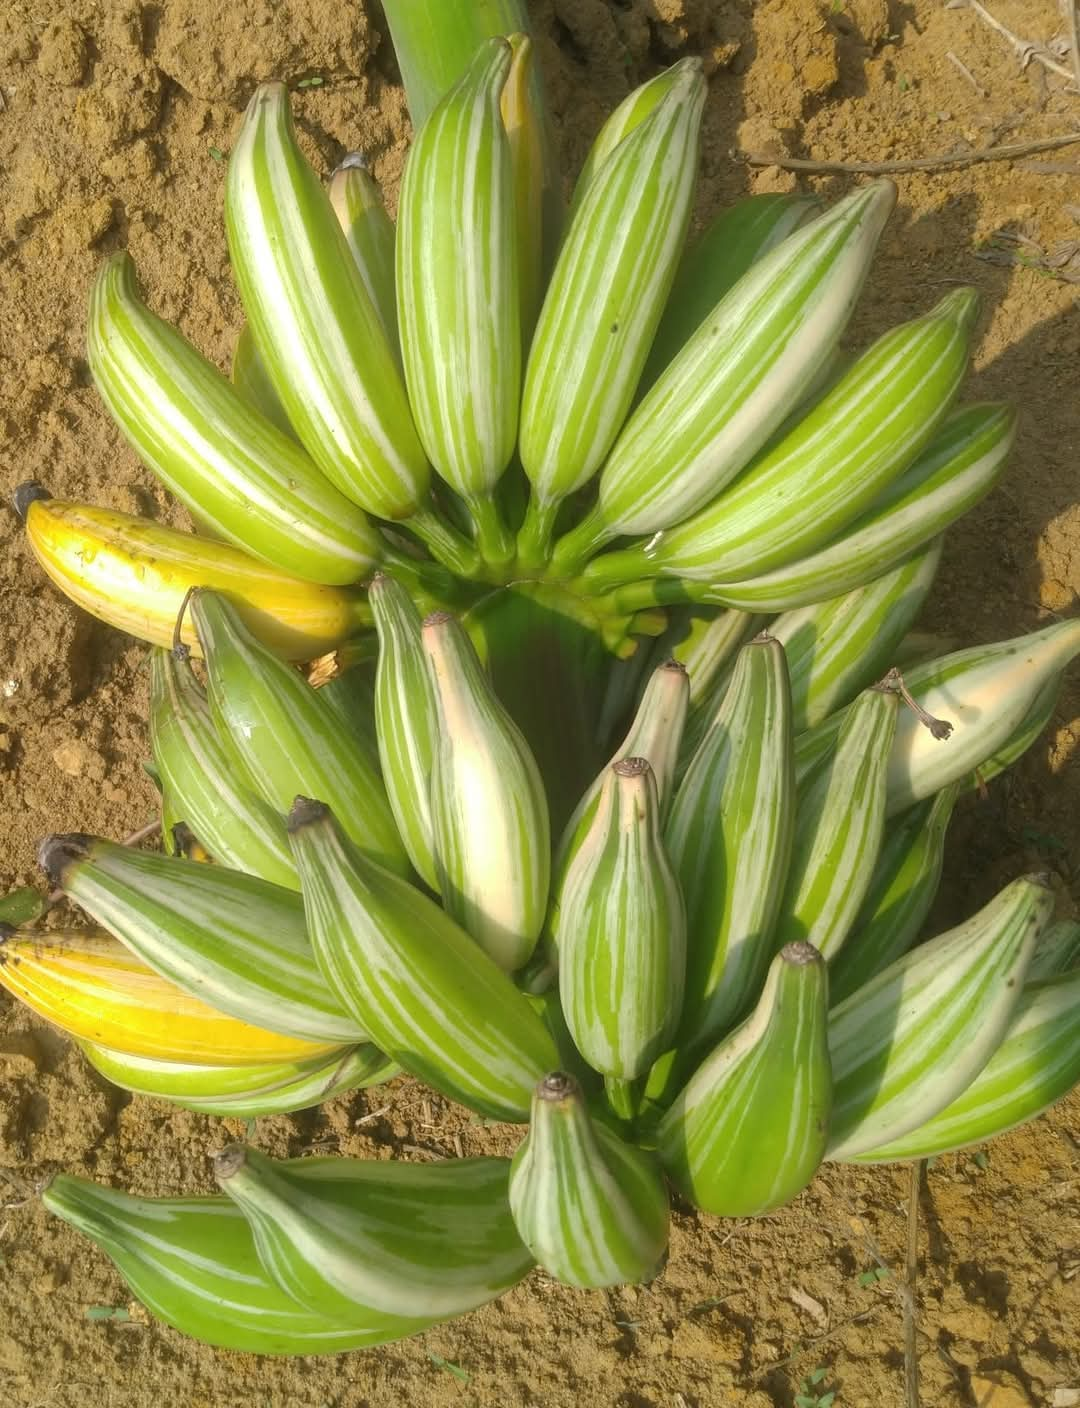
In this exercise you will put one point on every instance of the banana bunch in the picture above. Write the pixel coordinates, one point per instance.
(617, 819)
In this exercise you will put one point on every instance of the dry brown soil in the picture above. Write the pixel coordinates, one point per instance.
(114, 117)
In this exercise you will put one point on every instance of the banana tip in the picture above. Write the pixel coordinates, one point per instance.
(556, 1086)
(631, 767)
(229, 1161)
(800, 954)
(438, 618)
(56, 853)
(27, 493)
(304, 811)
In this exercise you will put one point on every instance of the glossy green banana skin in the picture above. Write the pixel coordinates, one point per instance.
(749, 1131)
(205, 787)
(1057, 952)
(710, 662)
(248, 376)
(288, 740)
(730, 835)
(1036, 1064)
(236, 942)
(592, 1209)
(369, 232)
(903, 888)
(911, 1040)
(438, 1004)
(193, 1264)
(346, 1237)
(316, 327)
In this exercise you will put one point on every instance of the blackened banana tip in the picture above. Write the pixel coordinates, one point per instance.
(305, 811)
(27, 493)
(556, 1086)
(631, 767)
(438, 618)
(675, 666)
(6, 931)
(229, 1161)
(56, 853)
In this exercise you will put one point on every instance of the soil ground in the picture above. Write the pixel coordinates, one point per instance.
(114, 120)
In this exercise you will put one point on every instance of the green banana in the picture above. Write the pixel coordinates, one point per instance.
(406, 721)
(604, 301)
(592, 1209)
(435, 1001)
(285, 737)
(825, 473)
(315, 325)
(523, 121)
(1057, 952)
(748, 1132)
(201, 781)
(231, 466)
(730, 836)
(351, 696)
(248, 376)
(839, 825)
(193, 1264)
(622, 930)
(1030, 728)
(714, 264)
(235, 941)
(903, 887)
(344, 1237)
(961, 465)
(906, 1044)
(709, 657)
(1037, 1062)
(369, 233)
(489, 812)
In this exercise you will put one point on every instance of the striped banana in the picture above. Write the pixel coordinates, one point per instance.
(1037, 1062)
(1057, 952)
(1030, 728)
(248, 376)
(351, 696)
(435, 1002)
(748, 1132)
(193, 1264)
(837, 647)
(738, 237)
(315, 325)
(522, 120)
(244, 1092)
(730, 835)
(231, 466)
(457, 288)
(488, 809)
(592, 1209)
(961, 465)
(622, 930)
(406, 721)
(709, 657)
(826, 472)
(90, 986)
(604, 301)
(369, 233)
(839, 826)
(344, 1237)
(911, 1040)
(285, 737)
(203, 784)
(901, 892)
(744, 368)
(134, 574)
(234, 941)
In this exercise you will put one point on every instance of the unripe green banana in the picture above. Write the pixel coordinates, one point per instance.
(749, 1131)
(193, 1264)
(709, 656)
(605, 299)
(245, 1092)
(202, 782)
(231, 466)
(248, 375)
(235, 941)
(315, 325)
(406, 720)
(1057, 952)
(961, 465)
(837, 647)
(1036, 1063)
(369, 233)
(1030, 728)
(906, 1044)
(344, 1237)
(807, 489)
(729, 835)
(592, 1209)
(903, 887)
(288, 740)
(457, 286)
(622, 930)
(488, 808)
(351, 697)
(712, 266)
(436, 1002)
(523, 121)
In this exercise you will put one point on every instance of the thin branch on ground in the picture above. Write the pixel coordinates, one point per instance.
(919, 163)
(1072, 19)
(959, 63)
(1027, 49)
(911, 1347)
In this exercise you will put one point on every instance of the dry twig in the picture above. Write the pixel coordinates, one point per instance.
(918, 163)
(1027, 49)
(1072, 19)
(911, 1347)
(959, 63)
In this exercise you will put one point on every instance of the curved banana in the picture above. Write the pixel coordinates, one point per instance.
(369, 233)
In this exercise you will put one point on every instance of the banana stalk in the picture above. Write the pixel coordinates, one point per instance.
(911, 1040)
(592, 1209)
(344, 1237)
(369, 233)
(749, 1131)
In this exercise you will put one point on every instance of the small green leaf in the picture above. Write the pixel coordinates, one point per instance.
(827, 1399)
(455, 1369)
(216, 153)
(981, 1160)
(875, 1274)
(315, 82)
(107, 1312)
(22, 906)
